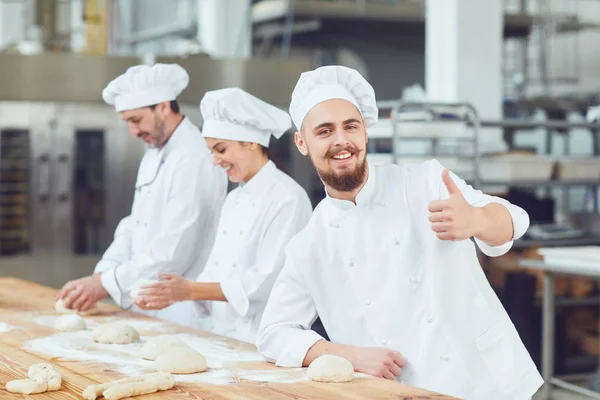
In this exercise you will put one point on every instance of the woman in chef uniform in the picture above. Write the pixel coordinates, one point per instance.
(258, 219)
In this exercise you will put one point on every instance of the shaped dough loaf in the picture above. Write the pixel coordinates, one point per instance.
(44, 372)
(132, 386)
(26, 386)
(43, 377)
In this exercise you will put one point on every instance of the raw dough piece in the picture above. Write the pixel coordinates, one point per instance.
(44, 372)
(121, 390)
(26, 386)
(70, 323)
(59, 307)
(43, 377)
(158, 344)
(329, 368)
(137, 287)
(180, 360)
(116, 333)
(162, 381)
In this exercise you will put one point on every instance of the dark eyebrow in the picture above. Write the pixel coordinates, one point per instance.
(351, 120)
(323, 125)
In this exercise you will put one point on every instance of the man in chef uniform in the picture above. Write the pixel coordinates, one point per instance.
(387, 263)
(178, 195)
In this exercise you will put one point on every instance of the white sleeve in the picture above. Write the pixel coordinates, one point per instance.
(477, 198)
(119, 250)
(284, 336)
(188, 210)
(252, 289)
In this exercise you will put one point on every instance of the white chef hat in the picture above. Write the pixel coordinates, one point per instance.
(234, 114)
(333, 82)
(143, 86)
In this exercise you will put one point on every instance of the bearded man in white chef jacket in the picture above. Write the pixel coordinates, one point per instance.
(387, 263)
(178, 195)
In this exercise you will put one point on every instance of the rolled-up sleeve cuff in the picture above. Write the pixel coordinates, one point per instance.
(234, 292)
(520, 220)
(293, 355)
(109, 282)
(493, 251)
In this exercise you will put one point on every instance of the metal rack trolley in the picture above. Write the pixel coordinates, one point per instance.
(469, 119)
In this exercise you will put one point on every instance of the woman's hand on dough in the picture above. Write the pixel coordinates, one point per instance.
(170, 289)
(379, 362)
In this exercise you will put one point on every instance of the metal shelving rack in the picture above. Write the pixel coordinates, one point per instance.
(466, 117)
(552, 127)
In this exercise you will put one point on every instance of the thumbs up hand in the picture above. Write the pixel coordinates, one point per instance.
(454, 218)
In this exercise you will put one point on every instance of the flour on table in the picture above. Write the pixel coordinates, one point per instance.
(80, 346)
(226, 364)
(4, 327)
(51, 320)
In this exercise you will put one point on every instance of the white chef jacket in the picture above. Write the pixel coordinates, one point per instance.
(173, 220)
(378, 276)
(257, 221)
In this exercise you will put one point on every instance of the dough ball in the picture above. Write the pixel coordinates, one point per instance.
(158, 344)
(59, 307)
(70, 323)
(116, 333)
(26, 386)
(180, 360)
(135, 292)
(44, 372)
(329, 368)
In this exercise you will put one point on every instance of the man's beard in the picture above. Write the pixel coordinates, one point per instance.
(344, 181)
(158, 140)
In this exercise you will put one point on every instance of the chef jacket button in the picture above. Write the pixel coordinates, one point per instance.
(223, 232)
(444, 358)
(253, 204)
(413, 279)
(233, 265)
(351, 263)
(384, 342)
(381, 203)
(145, 225)
(368, 302)
(335, 225)
(396, 242)
(216, 262)
(241, 232)
(429, 319)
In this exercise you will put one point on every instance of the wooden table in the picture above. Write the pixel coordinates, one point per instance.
(23, 304)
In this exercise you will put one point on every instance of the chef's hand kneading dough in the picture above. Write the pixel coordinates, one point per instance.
(59, 307)
(158, 344)
(180, 360)
(128, 387)
(42, 378)
(70, 323)
(330, 368)
(116, 333)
